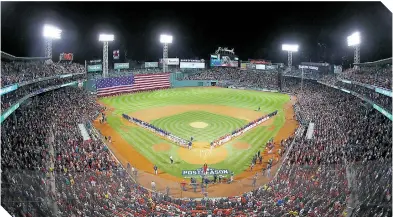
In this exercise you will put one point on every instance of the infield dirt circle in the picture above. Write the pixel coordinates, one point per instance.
(199, 125)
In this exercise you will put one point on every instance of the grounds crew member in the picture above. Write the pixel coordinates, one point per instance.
(170, 158)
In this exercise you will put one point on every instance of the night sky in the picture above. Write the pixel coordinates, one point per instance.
(253, 29)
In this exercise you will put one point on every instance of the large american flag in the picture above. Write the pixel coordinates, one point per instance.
(151, 81)
(109, 86)
(140, 82)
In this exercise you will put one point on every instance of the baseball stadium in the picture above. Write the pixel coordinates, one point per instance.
(188, 125)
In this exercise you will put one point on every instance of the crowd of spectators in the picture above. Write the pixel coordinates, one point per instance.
(244, 78)
(307, 73)
(17, 71)
(157, 130)
(376, 76)
(347, 160)
(371, 94)
(9, 99)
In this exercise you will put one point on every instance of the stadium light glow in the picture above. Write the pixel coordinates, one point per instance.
(51, 32)
(106, 37)
(166, 39)
(290, 47)
(354, 39)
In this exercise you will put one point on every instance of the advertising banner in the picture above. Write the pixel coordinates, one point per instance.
(243, 66)
(8, 89)
(94, 68)
(264, 62)
(308, 67)
(383, 91)
(94, 61)
(188, 65)
(151, 64)
(383, 111)
(210, 172)
(171, 61)
(192, 61)
(260, 66)
(116, 54)
(250, 66)
(271, 67)
(8, 112)
(122, 65)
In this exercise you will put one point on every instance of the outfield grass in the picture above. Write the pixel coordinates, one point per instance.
(237, 160)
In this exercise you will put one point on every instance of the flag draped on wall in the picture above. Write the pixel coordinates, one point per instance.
(140, 82)
(109, 86)
(151, 81)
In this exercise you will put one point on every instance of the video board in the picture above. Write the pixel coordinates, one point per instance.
(224, 60)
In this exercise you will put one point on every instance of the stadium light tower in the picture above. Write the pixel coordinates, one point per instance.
(105, 38)
(290, 48)
(166, 40)
(354, 41)
(50, 33)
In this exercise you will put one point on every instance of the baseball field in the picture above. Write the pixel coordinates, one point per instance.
(204, 113)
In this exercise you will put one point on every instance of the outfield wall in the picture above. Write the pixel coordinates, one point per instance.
(193, 83)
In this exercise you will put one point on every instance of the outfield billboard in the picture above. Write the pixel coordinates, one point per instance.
(260, 66)
(151, 64)
(192, 65)
(122, 65)
(171, 61)
(94, 68)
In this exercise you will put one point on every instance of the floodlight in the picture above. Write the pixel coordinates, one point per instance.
(354, 39)
(166, 39)
(290, 47)
(106, 37)
(51, 32)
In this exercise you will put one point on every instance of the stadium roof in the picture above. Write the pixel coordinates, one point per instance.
(8, 56)
(375, 63)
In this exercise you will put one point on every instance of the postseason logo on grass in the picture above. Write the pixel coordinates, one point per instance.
(210, 172)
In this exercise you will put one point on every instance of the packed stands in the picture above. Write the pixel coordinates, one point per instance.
(17, 72)
(48, 169)
(380, 76)
(244, 78)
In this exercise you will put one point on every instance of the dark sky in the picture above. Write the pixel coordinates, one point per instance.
(253, 29)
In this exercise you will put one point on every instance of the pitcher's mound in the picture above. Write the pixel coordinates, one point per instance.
(241, 146)
(199, 124)
(161, 147)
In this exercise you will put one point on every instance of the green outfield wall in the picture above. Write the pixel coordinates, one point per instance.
(176, 81)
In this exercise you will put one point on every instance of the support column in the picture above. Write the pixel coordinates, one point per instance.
(290, 59)
(105, 60)
(48, 48)
(165, 57)
(356, 58)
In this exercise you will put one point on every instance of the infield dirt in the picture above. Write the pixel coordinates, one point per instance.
(125, 152)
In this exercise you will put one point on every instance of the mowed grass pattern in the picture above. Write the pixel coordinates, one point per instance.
(237, 160)
(218, 125)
